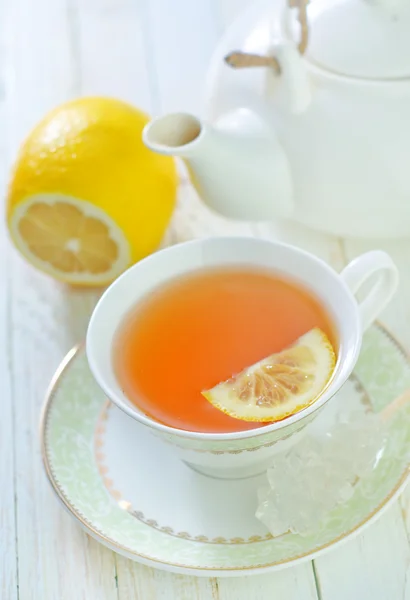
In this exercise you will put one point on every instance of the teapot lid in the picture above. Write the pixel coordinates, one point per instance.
(360, 38)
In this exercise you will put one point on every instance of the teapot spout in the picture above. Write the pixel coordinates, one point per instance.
(237, 165)
(175, 134)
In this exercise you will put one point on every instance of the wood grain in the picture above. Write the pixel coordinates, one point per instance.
(374, 565)
(56, 559)
(292, 584)
(136, 582)
(8, 548)
(8, 525)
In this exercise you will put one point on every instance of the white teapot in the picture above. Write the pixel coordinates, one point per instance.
(313, 121)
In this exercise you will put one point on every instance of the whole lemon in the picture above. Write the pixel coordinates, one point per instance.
(86, 198)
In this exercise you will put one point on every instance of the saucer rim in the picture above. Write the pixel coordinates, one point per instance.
(197, 570)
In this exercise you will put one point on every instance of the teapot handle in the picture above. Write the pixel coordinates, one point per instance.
(364, 268)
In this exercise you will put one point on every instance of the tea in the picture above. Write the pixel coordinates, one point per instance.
(202, 328)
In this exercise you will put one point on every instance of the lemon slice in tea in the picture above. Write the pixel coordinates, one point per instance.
(281, 384)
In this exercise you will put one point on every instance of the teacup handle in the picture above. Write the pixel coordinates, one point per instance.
(363, 268)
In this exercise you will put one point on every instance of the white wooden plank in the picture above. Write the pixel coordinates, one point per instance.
(8, 549)
(40, 70)
(8, 546)
(111, 54)
(56, 559)
(295, 583)
(375, 566)
(180, 38)
(136, 582)
(47, 320)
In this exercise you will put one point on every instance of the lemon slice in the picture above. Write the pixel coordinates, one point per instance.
(281, 384)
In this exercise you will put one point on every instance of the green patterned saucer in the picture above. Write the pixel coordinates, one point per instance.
(131, 493)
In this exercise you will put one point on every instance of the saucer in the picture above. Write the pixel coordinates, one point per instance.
(129, 491)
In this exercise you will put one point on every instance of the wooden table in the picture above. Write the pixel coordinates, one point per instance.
(153, 53)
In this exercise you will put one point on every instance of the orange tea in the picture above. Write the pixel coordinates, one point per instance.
(202, 328)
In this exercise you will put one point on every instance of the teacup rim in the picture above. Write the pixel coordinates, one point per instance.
(330, 390)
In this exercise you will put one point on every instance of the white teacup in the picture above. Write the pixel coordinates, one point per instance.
(246, 452)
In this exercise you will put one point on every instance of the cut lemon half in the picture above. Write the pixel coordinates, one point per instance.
(281, 384)
(70, 239)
